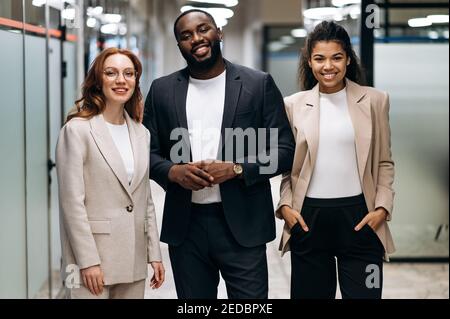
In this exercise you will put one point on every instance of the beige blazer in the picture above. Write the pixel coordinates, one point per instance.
(369, 111)
(104, 220)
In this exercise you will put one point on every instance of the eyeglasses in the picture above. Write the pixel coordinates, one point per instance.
(113, 74)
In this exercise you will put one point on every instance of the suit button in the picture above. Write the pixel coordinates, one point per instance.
(130, 208)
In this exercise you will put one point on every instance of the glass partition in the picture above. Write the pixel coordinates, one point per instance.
(281, 52)
(55, 110)
(32, 108)
(416, 77)
(36, 155)
(13, 277)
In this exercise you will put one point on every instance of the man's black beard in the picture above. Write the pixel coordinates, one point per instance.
(205, 64)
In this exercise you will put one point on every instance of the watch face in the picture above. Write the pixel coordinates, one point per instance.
(238, 169)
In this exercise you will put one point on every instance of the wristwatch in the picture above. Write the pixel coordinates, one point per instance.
(238, 169)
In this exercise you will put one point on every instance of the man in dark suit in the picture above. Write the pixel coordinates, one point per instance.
(218, 212)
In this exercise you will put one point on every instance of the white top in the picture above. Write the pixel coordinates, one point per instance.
(121, 138)
(204, 110)
(335, 173)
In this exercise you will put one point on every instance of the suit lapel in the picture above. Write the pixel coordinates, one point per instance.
(359, 107)
(232, 92)
(311, 123)
(108, 149)
(140, 154)
(180, 93)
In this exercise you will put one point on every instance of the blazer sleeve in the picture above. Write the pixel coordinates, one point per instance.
(282, 151)
(159, 166)
(384, 190)
(286, 185)
(285, 194)
(153, 247)
(69, 165)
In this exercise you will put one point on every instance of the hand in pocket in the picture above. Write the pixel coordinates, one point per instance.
(373, 219)
(292, 217)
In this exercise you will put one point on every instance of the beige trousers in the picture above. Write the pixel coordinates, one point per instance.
(134, 290)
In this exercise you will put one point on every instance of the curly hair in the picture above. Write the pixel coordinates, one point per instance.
(328, 31)
(93, 101)
(175, 25)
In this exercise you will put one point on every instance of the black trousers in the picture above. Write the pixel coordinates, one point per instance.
(332, 238)
(210, 249)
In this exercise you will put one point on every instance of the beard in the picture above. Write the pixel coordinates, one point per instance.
(207, 63)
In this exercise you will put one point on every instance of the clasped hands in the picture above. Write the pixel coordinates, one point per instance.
(199, 175)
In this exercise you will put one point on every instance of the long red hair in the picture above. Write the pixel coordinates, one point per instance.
(93, 101)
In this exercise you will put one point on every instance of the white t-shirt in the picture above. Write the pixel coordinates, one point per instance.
(335, 173)
(204, 110)
(121, 138)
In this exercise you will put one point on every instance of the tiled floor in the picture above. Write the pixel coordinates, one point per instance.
(401, 280)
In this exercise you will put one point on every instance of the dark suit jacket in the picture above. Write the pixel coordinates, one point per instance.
(252, 100)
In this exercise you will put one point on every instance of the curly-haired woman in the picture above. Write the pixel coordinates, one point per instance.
(338, 197)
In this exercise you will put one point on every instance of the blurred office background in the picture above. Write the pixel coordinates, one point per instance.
(47, 47)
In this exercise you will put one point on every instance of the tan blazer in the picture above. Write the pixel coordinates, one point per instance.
(369, 111)
(103, 219)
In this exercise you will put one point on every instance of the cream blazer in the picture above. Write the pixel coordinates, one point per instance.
(104, 220)
(369, 112)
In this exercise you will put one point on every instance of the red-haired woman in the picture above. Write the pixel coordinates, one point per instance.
(108, 224)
